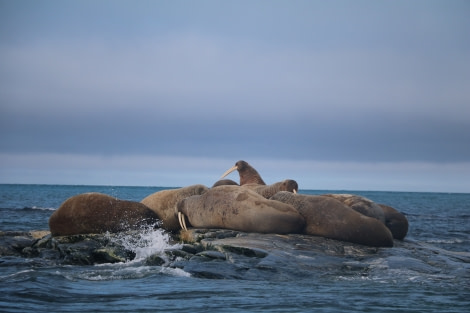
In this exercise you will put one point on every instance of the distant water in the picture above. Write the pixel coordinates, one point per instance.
(428, 272)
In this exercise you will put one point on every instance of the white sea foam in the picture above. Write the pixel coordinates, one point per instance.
(43, 209)
(445, 241)
(118, 272)
(16, 276)
(175, 272)
(146, 243)
(123, 271)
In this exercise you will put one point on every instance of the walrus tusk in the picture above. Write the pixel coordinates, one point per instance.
(294, 191)
(179, 220)
(183, 218)
(230, 170)
(182, 221)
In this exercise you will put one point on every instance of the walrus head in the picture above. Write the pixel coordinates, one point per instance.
(290, 185)
(248, 175)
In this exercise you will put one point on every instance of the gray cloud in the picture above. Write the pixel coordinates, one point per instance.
(193, 94)
(382, 83)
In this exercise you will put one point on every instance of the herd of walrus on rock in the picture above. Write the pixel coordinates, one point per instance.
(250, 206)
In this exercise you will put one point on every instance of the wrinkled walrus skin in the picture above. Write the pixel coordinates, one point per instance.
(395, 221)
(236, 208)
(268, 191)
(330, 218)
(163, 203)
(360, 204)
(94, 213)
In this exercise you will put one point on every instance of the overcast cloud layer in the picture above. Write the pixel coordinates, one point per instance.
(337, 95)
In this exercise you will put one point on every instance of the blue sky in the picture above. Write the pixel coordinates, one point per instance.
(354, 95)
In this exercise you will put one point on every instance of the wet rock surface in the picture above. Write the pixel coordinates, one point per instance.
(220, 253)
(267, 256)
(208, 253)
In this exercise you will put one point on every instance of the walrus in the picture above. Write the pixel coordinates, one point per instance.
(330, 218)
(268, 191)
(92, 213)
(361, 205)
(241, 209)
(223, 182)
(395, 221)
(163, 203)
(247, 173)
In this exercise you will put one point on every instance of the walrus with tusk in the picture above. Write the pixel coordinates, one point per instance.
(242, 209)
(248, 175)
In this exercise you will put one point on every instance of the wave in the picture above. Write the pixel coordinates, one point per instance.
(29, 209)
(147, 243)
(40, 208)
(445, 241)
(122, 271)
(23, 275)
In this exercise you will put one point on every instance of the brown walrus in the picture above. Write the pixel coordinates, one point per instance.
(330, 218)
(268, 191)
(92, 213)
(247, 173)
(240, 209)
(395, 221)
(361, 205)
(223, 182)
(163, 203)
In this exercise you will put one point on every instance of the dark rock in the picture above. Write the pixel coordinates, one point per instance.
(206, 253)
(258, 253)
(14, 242)
(80, 253)
(269, 256)
(212, 255)
(173, 254)
(106, 255)
(193, 249)
(205, 267)
(49, 254)
(154, 260)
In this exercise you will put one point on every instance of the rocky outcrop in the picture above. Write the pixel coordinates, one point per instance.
(207, 253)
(228, 254)
(74, 249)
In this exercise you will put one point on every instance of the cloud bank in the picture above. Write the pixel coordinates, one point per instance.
(321, 86)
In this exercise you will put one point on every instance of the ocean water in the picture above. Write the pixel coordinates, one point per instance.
(427, 272)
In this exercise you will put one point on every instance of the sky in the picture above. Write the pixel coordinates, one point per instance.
(338, 95)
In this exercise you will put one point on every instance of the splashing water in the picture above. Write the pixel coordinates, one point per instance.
(145, 243)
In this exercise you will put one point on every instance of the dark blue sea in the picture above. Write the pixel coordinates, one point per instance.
(427, 272)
